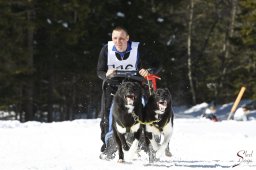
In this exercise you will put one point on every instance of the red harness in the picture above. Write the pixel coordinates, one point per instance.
(152, 78)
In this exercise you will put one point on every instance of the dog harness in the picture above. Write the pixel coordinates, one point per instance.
(137, 119)
(128, 129)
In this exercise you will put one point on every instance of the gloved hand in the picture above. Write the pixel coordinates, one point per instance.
(143, 72)
(110, 73)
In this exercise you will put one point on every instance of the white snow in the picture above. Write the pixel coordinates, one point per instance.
(49, 21)
(140, 16)
(160, 20)
(120, 14)
(65, 24)
(75, 145)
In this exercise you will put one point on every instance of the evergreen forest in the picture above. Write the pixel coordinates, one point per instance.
(49, 51)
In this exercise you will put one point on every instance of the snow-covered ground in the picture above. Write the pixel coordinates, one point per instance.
(75, 145)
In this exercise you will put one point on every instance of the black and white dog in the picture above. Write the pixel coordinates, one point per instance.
(159, 115)
(127, 109)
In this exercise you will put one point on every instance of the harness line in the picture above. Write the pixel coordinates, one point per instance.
(136, 118)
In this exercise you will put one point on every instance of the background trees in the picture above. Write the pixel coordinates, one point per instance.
(49, 51)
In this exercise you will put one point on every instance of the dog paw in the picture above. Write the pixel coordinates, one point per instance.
(152, 156)
(103, 156)
(159, 153)
(168, 153)
(126, 147)
(107, 156)
(120, 161)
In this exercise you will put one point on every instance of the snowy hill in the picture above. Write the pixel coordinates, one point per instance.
(222, 111)
(74, 145)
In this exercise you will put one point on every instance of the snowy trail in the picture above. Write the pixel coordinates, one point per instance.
(74, 145)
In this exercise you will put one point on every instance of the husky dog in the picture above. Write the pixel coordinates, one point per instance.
(158, 111)
(127, 110)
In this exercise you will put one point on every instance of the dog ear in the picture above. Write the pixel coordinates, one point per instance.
(170, 96)
(137, 87)
(167, 90)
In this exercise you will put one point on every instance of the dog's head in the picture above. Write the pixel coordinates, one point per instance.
(130, 92)
(162, 98)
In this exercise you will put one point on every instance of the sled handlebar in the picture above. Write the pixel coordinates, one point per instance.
(121, 76)
(128, 75)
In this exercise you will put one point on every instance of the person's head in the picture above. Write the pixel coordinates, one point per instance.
(212, 107)
(246, 108)
(120, 37)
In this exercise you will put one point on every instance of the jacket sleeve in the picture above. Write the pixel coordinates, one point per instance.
(102, 66)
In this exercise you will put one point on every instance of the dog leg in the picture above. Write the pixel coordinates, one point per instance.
(134, 147)
(162, 148)
(124, 143)
(150, 131)
(167, 151)
(116, 136)
(151, 154)
(150, 150)
(154, 144)
(167, 132)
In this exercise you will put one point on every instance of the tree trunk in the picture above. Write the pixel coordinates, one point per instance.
(50, 94)
(73, 98)
(227, 46)
(190, 77)
(29, 87)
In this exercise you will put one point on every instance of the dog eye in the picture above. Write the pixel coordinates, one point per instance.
(130, 96)
(162, 102)
(157, 94)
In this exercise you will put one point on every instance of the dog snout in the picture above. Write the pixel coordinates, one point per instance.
(162, 104)
(130, 98)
